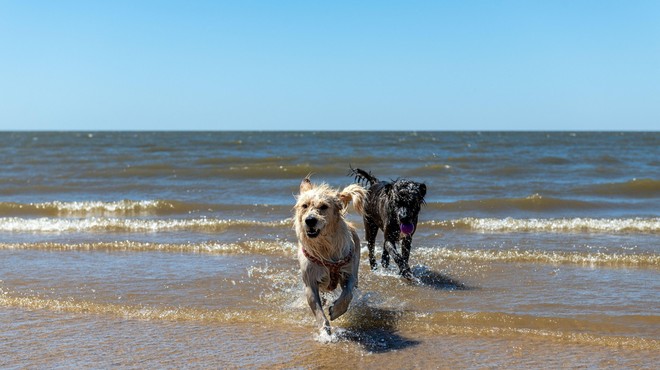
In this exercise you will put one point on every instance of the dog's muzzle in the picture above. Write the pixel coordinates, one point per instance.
(405, 223)
(312, 231)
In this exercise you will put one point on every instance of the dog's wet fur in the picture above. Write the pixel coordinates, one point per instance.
(327, 238)
(393, 207)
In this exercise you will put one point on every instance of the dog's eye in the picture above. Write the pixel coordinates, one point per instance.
(305, 206)
(323, 207)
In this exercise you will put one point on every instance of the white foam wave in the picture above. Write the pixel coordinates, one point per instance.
(484, 225)
(100, 208)
(117, 206)
(562, 225)
(94, 224)
(245, 247)
(550, 257)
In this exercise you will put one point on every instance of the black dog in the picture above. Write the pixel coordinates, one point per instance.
(393, 207)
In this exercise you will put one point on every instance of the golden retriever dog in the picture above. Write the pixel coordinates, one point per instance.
(329, 246)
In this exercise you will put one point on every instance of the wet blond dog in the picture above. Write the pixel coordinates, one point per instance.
(329, 247)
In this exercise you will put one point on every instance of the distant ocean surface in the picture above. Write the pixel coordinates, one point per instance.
(176, 249)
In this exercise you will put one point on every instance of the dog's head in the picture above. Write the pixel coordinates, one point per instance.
(407, 198)
(319, 208)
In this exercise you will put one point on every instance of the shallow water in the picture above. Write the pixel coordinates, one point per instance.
(177, 250)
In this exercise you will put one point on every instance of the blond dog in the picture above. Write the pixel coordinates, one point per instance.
(329, 247)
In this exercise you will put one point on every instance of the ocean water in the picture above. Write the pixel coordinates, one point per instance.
(176, 249)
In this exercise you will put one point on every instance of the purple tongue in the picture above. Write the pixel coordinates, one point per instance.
(407, 228)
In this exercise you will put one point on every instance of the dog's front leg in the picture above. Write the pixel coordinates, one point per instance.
(406, 244)
(340, 306)
(404, 269)
(371, 230)
(385, 257)
(314, 301)
(389, 245)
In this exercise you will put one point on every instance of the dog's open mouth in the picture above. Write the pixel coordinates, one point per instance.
(407, 228)
(313, 233)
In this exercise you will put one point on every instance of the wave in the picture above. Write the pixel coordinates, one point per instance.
(125, 208)
(204, 224)
(94, 224)
(635, 188)
(263, 247)
(360, 318)
(165, 207)
(423, 255)
(122, 207)
(534, 202)
(561, 225)
(537, 256)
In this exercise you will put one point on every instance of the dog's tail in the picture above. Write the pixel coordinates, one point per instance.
(355, 193)
(363, 177)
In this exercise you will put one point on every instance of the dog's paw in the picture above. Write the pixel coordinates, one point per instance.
(326, 336)
(332, 312)
(408, 275)
(337, 310)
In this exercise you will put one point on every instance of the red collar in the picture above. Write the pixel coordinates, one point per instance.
(333, 267)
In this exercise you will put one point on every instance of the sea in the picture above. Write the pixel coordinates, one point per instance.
(177, 250)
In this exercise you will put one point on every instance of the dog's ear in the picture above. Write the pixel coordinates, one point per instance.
(355, 193)
(344, 198)
(305, 185)
(422, 189)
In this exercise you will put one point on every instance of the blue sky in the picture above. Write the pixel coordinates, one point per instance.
(305, 65)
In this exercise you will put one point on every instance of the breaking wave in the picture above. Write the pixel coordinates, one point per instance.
(246, 247)
(209, 224)
(561, 225)
(423, 255)
(118, 208)
(96, 224)
(536, 256)
(128, 208)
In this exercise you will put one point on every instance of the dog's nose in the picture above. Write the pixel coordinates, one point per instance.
(310, 221)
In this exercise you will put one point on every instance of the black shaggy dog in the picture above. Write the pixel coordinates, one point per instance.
(393, 207)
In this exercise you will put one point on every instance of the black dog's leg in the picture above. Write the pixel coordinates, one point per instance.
(385, 257)
(406, 244)
(391, 237)
(404, 270)
(370, 231)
